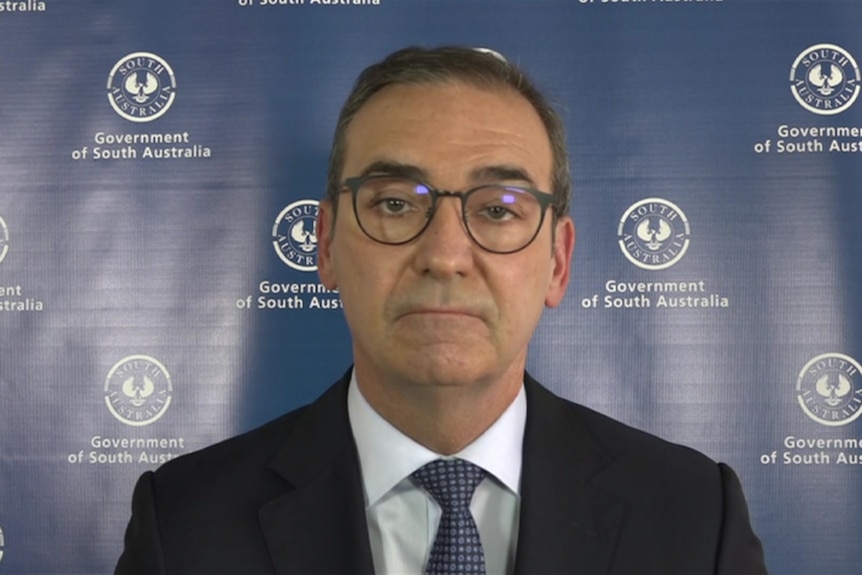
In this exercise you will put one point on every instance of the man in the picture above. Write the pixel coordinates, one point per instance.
(445, 229)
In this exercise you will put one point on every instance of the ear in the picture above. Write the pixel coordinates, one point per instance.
(325, 233)
(561, 260)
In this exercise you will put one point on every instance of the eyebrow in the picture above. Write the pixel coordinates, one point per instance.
(493, 173)
(396, 169)
(501, 173)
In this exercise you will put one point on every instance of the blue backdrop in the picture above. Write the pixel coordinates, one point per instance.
(160, 163)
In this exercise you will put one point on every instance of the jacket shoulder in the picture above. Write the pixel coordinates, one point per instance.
(641, 461)
(254, 447)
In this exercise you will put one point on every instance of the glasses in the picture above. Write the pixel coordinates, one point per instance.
(501, 219)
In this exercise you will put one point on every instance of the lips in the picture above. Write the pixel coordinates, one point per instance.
(443, 311)
(421, 302)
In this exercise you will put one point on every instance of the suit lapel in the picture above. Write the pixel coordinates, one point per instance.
(318, 526)
(567, 523)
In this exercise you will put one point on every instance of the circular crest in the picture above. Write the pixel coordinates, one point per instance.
(4, 239)
(829, 389)
(138, 390)
(294, 235)
(653, 234)
(824, 79)
(141, 87)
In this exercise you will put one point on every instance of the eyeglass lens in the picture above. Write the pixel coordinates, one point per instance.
(499, 218)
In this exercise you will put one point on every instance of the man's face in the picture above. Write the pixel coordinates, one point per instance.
(440, 310)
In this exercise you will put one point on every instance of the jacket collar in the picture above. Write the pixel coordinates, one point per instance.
(318, 526)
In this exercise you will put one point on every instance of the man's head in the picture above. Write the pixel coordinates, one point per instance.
(440, 310)
(480, 68)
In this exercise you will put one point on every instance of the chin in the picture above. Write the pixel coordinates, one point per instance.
(462, 370)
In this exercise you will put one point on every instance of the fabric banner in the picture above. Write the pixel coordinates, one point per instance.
(160, 170)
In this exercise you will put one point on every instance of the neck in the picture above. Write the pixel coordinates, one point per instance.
(443, 418)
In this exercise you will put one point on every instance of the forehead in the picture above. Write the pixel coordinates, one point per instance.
(449, 130)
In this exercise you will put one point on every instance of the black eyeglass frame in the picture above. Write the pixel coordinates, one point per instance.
(355, 183)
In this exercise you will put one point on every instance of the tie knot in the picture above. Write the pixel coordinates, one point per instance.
(451, 482)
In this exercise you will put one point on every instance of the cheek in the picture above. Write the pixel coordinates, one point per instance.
(541, 274)
(522, 290)
(363, 281)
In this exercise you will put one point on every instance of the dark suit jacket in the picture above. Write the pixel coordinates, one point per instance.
(287, 498)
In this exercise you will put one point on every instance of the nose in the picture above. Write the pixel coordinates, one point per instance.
(445, 249)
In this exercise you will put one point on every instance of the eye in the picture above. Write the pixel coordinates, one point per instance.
(393, 197)
(498, 213)
(497, 204)
(392, 206)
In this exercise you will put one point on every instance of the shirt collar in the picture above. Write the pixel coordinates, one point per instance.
(387, 456)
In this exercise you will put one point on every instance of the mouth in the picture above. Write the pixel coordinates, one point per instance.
(443, 311)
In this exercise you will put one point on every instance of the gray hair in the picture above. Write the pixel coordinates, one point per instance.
(478, 67)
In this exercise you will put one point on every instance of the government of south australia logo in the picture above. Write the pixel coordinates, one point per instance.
(824, 79)
(138, 390)
(829, 389)
(294, 235)
(141, 87)
(4, 239)
(653, 234)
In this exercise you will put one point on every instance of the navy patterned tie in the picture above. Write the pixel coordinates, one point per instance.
(457, 547)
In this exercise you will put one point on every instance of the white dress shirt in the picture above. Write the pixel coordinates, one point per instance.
(402, 517)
